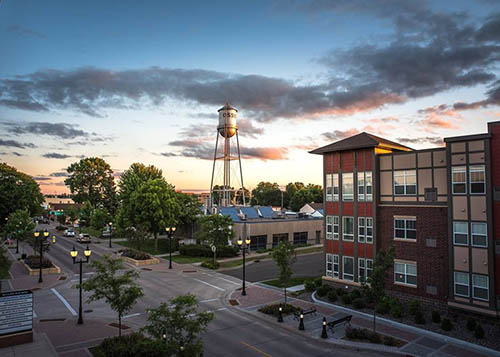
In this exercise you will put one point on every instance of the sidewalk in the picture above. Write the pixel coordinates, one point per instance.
(418, 342)
(40, 347)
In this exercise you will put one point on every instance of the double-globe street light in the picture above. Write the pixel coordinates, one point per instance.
(110, 225)
(244, 248)
(41, 238)
(87, 252)
(170, 233)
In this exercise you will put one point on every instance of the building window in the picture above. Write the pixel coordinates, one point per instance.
(480, 287)
(329, 227)
(365, 186)
(329, 264)
(335, 227)
(335, 266)
(405, 182)
(329, 187)
(405, 228)
(335, 187)
(476, 178)
(405, 273)
(361, 229)
(368, 182)
(348, 228)
(348, 268)
(479, 234)
(279, 237)
(458, 182)
(258, 242)
(460, 233)
(369, 230)
(361, 186)
(347, 187)
(365, 267)
(300, 238)
(461, 284)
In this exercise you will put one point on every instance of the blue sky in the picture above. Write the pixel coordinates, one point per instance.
(142, 81)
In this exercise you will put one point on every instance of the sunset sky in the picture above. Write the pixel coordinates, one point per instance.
(142, 81)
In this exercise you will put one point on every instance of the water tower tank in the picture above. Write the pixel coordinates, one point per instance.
(227, 121)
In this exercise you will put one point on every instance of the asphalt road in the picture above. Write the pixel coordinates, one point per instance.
(306, 265)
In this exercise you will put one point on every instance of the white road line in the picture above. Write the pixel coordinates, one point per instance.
(131, 315)
(221, 309)
(204, 282)
(75, 280)
(34, 314)
(230, 281)
(209, 300)
(63, 300)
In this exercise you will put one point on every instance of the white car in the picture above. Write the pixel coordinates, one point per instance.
(83, 238)
(69, 233)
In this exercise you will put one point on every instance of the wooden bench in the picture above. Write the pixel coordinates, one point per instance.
(311, 311)
(334, 323)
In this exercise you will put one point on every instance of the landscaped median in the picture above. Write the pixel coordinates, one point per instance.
(32, 265)
(138, 258)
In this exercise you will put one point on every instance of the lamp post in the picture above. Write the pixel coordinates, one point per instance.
(280, 314)
(301, 323)
(110, 232)
(244, 249)
(323, 332)
(87, 252)
(37, 236)
(170, 234)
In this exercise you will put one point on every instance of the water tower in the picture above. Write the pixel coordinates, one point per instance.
(227, 129)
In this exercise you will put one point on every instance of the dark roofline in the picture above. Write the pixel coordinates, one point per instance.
(455, 139)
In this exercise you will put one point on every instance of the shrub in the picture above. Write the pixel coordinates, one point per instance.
(209, 264)
(134, 344)
(261, 250)
(331, 296)
(60, 228)
(346, 299)
(471, 324)
(419, 318)
(274, 309)
(436, 317)
(358, 303)
(309, 285)
(479, 332)
(390, 341)
(318, 281)
(340, 291)
(135, 254)
(355, 294)
(374, 337)
(396, 311)
(446, 325)
(199, 250)
(33, 261)
(413, 307)
(382, 308)
(323, 290)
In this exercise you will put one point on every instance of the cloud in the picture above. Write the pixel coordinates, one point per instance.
(24, 32)
(340, 134)
(59, 174)
(493, 98)
(41, 178)
(55, 155)
(16, 153)
(16, 144)
(434, 140)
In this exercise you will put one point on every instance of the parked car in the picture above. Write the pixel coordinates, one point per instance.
(69, 233)
(106, 234)
(83, 238)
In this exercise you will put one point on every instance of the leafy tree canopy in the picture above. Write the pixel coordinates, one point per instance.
(215, 229)
(19, 225)
(266, 194)
(284, 256)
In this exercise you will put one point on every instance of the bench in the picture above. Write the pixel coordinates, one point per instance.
(311, 311)
(334, 323)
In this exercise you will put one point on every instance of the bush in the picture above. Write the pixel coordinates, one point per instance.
(374, 337)
(362, 334)
(209, 264)
(413, 307)
(479, 332)
(382, 308)
(346, 299)
(446, 325)
(358, 303)
(396, 311)
(318, 281)
(274, 309)
(390, 341)
(135, 254)
(261, 250)
(355, 294)
(436, 317)
(309, 285)
(331, 296)
(471, 324)
(419, 318)
(33, 261)
(60, 228)
(323, 290)
(5, 264)
(340, 291)
(134, 344)
(199, 250)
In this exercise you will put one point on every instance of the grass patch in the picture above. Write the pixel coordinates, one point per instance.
(238, 262)
(149, 245)
(89, 230)
(293, 281)
(309, 250)
(184, 259)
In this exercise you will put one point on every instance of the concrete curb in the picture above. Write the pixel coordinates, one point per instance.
(413, 329)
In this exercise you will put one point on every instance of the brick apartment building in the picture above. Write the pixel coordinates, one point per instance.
(439, 208)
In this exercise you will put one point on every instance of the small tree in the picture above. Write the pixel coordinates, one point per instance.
(374, 286)
(120, 291)
(137, 236)
(215, 229)
(61, 219)
(284, 256)
(179, 323)
(20, 226)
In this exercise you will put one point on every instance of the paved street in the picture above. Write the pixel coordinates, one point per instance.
(306, 265)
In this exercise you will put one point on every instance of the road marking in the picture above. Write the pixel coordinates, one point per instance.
(34, 314)
(209, 300)
(74, 280)
(213, 286)
(221, 309)
(66, 303)
(131, 315)
(230, 281)
(256, 349)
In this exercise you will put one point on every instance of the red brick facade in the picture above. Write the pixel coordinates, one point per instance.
(495, 182)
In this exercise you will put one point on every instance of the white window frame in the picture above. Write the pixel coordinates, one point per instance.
(361, 229)
(477, 168)
(368, 184)
(405, 229)
(344, 275)
(329, 264)
(485, 235)
(335, 187)
(335, 227)
(367, 266)
(350, 237)
(361, 184)
(458, 169)
(369, 228)
(466, 232)
(347, 196)
(455, 274)
(329, 224)
(335, 266)
(405, 273)
(329, 187)
(405, 174)
(474, 286)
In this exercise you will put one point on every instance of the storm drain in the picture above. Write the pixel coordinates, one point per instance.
(233, 302)
(62, 278)
(88, 311)
(189, 271)
(52, 320)
(147, 269)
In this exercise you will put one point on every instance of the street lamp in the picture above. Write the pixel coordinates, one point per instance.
(110, 232)
(45, 235)
(244, 249)
(87, 252)
(170, 234)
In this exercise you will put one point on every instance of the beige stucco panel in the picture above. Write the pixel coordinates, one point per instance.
(386, 183)
(424, 180)
(386, 198)
(439, 158)
(476, 145)
(405, 198)
(385, 162)
(480, 260)
(458, 159)
(476, 158)
(478, 208)
(404, 161)
(440, 181)
(461, 258)
(424, 159)
(458, 147)
(460, 208)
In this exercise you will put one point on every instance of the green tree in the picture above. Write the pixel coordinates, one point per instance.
(181, 322)
(18, 191)
(190, 210)
(99, 218)
(374, 286)
(284, 256)
(120, 291)
(299, 199)
(217, 194)
(20, 226)
(215, 229)
(290, 190)
(137, 236)
(239, 196)
(72, 215)
(61, 219)
(5, 264)
(91, 179)
(266, 194)
(85, 214)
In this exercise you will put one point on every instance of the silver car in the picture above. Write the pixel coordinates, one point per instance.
(83, 238)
